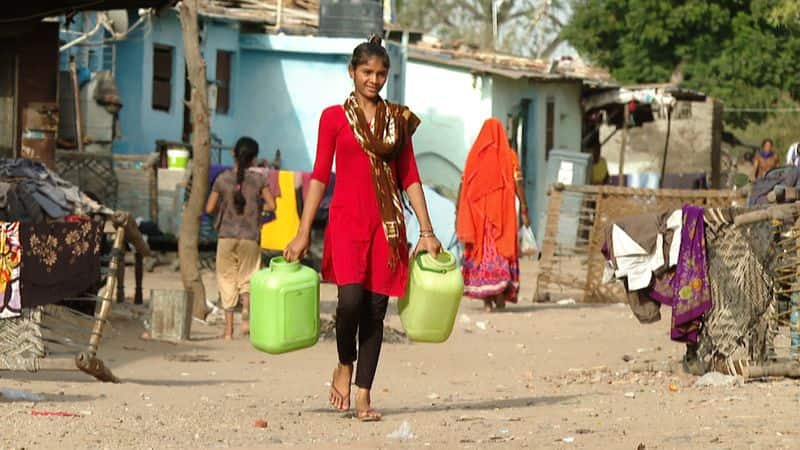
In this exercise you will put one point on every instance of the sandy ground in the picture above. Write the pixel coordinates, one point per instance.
(537, 376)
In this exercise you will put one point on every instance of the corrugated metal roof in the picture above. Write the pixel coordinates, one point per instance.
(301, 16)
(508, 66)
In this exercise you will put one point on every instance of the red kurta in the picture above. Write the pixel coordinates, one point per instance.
(356, 250)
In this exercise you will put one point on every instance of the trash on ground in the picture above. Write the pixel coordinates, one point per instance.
(568, 440)
(469, 418)
(716, 379)
(403, 433)
(55, 413)
(483, 325)
(19, 394)
(261, 423)
(566, 301)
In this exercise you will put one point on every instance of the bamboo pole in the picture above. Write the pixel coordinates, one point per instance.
(625, 116)
(794, 316)
(666, 148)
(76, 94)
(117, 255)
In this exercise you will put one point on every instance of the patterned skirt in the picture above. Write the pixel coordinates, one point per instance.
(495, 274)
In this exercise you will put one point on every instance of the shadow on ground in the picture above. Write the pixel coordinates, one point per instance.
(485, 405)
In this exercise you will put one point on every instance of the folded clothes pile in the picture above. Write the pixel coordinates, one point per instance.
(50, 237)
(31, 193)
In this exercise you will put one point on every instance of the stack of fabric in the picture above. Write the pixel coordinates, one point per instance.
(50, 237)
(733, 265)
(662, 260)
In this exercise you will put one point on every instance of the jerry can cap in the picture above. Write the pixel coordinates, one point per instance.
(443, 263)
(279, 264)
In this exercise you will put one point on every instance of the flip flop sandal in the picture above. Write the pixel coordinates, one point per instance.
(369, 415)
(335, 392)
(338, 394)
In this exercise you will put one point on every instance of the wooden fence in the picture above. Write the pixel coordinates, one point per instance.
(577, 219)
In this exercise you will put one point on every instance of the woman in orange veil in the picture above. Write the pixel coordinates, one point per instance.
(486, 218)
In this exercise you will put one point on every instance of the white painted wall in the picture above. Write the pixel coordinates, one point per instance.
(689, 147)
(507, 94)
(452, 105)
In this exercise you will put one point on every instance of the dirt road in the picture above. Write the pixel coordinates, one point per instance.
(537, 376)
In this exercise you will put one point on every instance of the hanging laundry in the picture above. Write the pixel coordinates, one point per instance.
(638, 246)
(272, 179)
(686, 288)
(10, 258)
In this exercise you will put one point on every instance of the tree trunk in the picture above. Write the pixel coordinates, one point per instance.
(188, 237)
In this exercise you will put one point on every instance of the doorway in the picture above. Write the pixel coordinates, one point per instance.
(522, 137)
(8, 83)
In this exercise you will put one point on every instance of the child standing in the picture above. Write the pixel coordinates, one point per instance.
(238, 197)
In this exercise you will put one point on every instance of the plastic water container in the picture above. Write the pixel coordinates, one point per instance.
(284, 307)
(177, 158)
(429, 308)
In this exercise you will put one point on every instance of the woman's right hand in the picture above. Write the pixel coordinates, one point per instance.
(297, 249)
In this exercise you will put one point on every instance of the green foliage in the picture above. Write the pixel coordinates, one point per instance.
(786, 12)
(781, 128)
(732, 50)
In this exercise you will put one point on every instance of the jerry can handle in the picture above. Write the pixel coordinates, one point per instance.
(425, 268)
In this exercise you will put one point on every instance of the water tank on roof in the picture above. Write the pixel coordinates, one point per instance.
(350, 18)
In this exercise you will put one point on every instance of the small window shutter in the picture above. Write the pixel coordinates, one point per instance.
(162, 77)
(223, 81)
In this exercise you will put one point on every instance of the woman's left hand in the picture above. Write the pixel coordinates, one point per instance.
(428, 244)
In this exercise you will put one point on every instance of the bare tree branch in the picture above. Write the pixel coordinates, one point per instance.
(550, 48)
(471, 8)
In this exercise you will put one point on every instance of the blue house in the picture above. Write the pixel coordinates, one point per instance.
(271, 87)
(454, 91)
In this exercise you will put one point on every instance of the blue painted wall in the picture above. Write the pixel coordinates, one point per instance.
(140, 124)
(279, 87)
(285, 83)
(282, 98)
(218, 35)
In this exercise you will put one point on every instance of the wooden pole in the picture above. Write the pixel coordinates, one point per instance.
(189, 233)
(794, 314)
(138, 275)
(76, 94)
(716, 145)
(626, 114)
(666, 148)
(117, 258)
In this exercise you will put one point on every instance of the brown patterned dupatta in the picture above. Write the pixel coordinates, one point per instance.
(392, 129)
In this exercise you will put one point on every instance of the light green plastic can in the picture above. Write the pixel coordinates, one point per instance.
(284, 307)
(428, 309)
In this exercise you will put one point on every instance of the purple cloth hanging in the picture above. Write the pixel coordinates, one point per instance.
(686, 287)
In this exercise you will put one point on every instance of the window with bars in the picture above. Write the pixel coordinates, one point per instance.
(162, 77)
(550, 127)
(224, 59)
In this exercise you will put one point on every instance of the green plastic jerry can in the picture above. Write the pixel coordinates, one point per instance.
(284, 307)
(429, 308)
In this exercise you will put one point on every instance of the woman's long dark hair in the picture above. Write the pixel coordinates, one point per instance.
(245, 152)
(372, 48)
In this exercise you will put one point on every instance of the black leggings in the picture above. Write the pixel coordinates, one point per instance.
(360, 311)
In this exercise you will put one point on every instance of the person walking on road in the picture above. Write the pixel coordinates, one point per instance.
(365, 252)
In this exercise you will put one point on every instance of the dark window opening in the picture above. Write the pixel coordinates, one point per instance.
(223, 81)
(162, 77)
(550, 125)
